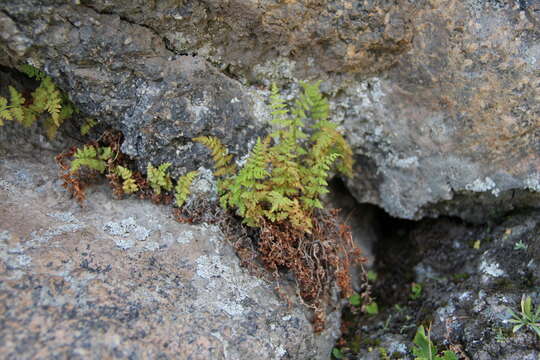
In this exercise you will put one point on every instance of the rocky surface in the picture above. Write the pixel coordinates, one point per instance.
(438, 98)
(121, 279)
(470, 276)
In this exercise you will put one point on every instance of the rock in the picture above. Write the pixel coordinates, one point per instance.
(122, 279)
(475, 312)
(126, 77)
(453, 127)
(438, 98)
(470, 278)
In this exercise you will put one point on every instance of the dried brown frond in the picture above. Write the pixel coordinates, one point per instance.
(318, 260)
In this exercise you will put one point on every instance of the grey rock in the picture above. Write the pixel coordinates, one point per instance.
(122, 279)
(474, 313)
(438, 98)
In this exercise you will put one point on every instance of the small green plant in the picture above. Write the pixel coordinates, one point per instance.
(425, 350)
(279, 188)
(337, 353)
(92, 157)
(520, 245)
(372, 308)
(104, 156)
(182, 188)
(500, 337)
(158, 177)
(87, 126)
(47, 98)
(129, 186)
(383, 353)
(527, 317)
(285, 174)
(355, 299)
(371, 275)
(416, 291)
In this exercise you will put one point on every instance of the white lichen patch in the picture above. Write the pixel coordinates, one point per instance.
(480, 185)
(276, 69)
(225, 279)
(127, 227)
(126, 232)
(280, 352)
(492, 269)
(204, 186)
(151, 246)
(64, 216)
(124, 244)
(533, 183)
(405, 163)
(185, 237)
(48, 234)
(5, 235)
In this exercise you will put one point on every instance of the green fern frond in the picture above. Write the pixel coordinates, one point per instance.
(182, 189)
(158, 177)
(129, 185)
(286, 174)
(87, 126)
(32, 72)
(222, 159)
(91, 157)
(314, 102)
(5, 113)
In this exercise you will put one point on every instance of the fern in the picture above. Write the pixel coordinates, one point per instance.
(33, 72)
(222, 159)
(286, 173)
(91, 157)
(246, 191)
(45, 99)
(87, 126)
(129, 185)
(182, 188)
(158, 177)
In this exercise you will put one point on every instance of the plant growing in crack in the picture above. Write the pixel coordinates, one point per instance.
(527, 317)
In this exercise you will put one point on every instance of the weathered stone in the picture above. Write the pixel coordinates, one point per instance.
(455, 118)
(122, 279)
(471, 278)
(126, 77)
(438, 98)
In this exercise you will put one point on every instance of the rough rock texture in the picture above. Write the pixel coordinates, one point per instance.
(122, 279)
(439, 98)
(458, 114)
(123, 75)
(470, 276)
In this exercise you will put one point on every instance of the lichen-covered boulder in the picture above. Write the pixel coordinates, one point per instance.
(122, 279)
(439, 98)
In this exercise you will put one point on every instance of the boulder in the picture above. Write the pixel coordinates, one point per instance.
(123, 279)
(438, 98)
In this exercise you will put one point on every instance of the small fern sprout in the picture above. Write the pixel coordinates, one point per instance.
(158, 177)
(182, 188)
(246, 192)
(46, 98)
(129, 186)
(222, 159)
(91, 157)
(13, 111)
(87, 126)
(32, 72)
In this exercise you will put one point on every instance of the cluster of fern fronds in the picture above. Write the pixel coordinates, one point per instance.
(104, 157)
(46, 99)
(286, 173)
(279, 189)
